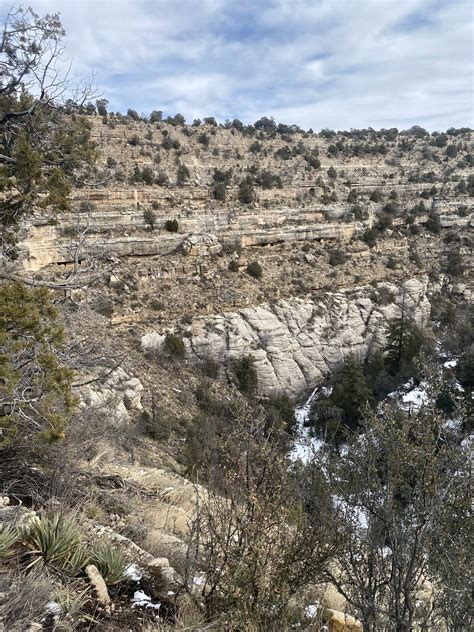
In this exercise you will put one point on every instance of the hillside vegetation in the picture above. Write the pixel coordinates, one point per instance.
(171, 294)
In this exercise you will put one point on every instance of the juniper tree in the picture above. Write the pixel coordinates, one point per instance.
(43, 144)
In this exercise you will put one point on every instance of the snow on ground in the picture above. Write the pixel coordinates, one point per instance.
(133, 573)
(312, 610)
(306, 446)
(450, 364)
(142, 600)
(415, 398)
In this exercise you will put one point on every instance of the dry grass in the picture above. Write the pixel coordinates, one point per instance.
(24, 599)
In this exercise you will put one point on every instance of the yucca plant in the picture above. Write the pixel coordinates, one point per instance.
(79, 559)
(57, 540)
(8, 537)
(110, 562)
(72, 602)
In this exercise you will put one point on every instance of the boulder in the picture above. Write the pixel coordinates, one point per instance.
(341, 622)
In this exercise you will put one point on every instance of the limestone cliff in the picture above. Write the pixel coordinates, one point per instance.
(297, 341)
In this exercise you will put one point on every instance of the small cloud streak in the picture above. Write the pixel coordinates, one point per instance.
(331, 63)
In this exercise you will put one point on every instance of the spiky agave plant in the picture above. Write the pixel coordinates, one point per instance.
(56, 540)
(110, 562)
(8, 537)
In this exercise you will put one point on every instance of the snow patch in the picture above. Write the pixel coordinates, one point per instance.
(306, 446)
(52, 607)
(312, 610)
(133, 573)
(142, 600)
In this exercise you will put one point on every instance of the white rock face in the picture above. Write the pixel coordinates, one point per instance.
(295, 342)
(117, 395)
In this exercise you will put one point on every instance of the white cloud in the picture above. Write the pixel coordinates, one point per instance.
(335, 63)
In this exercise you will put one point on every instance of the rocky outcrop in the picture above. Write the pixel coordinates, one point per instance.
(117, 395)
(296, 342)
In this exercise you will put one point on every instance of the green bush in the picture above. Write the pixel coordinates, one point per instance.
(172, 225)
(134, 140)
(337, 257)
(255, 270)
(103, 305)
(376, 196)
(454, 263)
(433, 223)
(234, 265)
(147, 176)
(465, 369)
(246, 374)
(162, 179)
(156, 304)
(332, 173)
(203, 139)
(182, 175)
(220, 191)
(174, 345)
(246, 190)
(149, 217)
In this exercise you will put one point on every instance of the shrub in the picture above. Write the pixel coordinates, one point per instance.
(162, 179)
(434, 223)
(337, 257)
(171, 225)
(454, 263)
(465, 369)
(220, 191)
(391, 263)
(246, 191)
(183, 174)
(134, 140)
(155, 424)
(156, 304)
(203, 139)
(147, 176)
(332, 173)
(255, 270)
(256, 147)
(234, 265)
(222, 176)
(103, 305)
(376, 196)
(269, 180)
(312, 161)
(156, 116)
(167, 143)
(281, 412)
(133, 114)
(174, 345)
(110, 562)
(149, 217)
(246, 374)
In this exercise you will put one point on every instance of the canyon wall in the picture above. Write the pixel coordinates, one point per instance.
(295, 342)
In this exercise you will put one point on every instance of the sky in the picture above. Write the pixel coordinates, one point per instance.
(319, 63)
